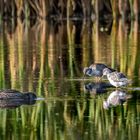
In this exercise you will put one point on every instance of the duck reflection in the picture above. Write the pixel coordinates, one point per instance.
(14, 103)
(116, 98)
(97, 88)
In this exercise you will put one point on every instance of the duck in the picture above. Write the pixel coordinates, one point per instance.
(96, 70)
(14, 94)
(116, 78)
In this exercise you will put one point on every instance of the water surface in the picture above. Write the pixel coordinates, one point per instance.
(48, 58)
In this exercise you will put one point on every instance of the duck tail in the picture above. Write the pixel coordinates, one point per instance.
(128, 96)
(129, 81)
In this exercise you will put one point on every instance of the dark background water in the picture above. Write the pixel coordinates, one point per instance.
(48, 58)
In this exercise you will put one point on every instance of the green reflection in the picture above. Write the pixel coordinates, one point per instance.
(48, 59)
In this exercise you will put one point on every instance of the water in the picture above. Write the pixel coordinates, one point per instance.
(47, 58)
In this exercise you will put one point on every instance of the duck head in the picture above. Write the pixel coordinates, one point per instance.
(87, 71)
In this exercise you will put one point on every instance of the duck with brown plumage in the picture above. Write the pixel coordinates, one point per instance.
(12, 98)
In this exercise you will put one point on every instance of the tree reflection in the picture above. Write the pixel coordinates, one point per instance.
(48, 58)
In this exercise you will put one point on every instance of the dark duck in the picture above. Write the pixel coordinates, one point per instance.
(13, 98)
(14, 94)
(96, 70)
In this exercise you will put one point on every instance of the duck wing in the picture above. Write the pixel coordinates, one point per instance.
(113, 70)
(116, 76)
(120, 75)
(9, 91)
(10, 94)
(100, 67)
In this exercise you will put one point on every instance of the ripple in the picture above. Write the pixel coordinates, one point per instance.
(40, 98)
(134, 89)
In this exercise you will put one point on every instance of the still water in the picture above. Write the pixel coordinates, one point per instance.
(47, 58)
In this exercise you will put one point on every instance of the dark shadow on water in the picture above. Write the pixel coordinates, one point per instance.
(97, 88)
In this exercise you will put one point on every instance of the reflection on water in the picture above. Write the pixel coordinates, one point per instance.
(48, 58)
(116, 98)
(13, 103)
(97, 88)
